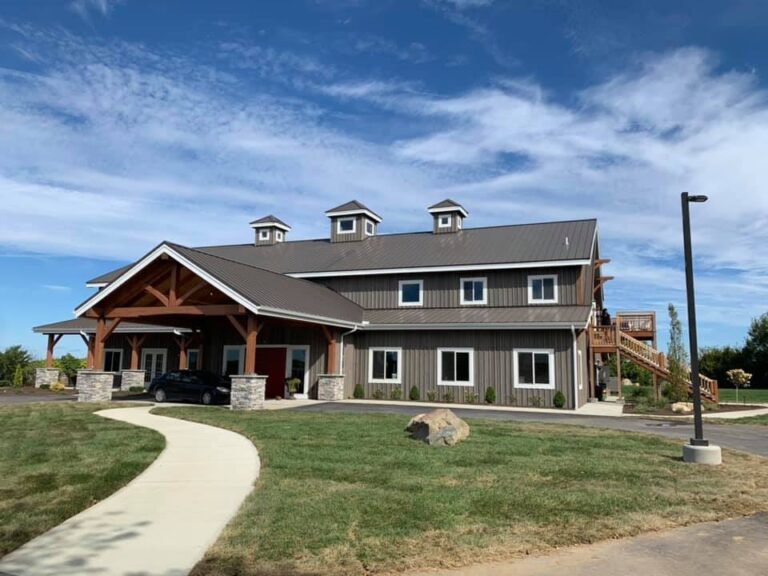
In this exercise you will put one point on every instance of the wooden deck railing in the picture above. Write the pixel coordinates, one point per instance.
(636, 322)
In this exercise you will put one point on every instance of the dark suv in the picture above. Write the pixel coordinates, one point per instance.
(195, 385)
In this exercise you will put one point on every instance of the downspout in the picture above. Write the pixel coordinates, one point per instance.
(575, 371)
(341, 348)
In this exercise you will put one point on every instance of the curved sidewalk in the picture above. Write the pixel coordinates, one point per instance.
(163, 521)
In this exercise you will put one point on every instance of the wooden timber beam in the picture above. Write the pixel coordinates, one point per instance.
(157, 294)
(108, 332)
(601, 283)
(174, 282)
(136, 342)
(98, 344)
(239, 327)
(197, 310)
(600, 261)
(199, 283)
(252, 333)
(332, 359)
(53, 339)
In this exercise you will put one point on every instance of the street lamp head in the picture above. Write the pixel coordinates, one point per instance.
(699, 198)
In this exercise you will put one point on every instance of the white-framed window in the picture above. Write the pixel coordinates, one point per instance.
(534, 368)
(263, 234)
(154, 361)
(410, 293)
(385, 365)
(455, 367)
(444, 221)
(542, 289)
(369, 228)
(458, 222)
(474, 291)
(113, 359)
(233, 360)
(297, 366)
(346, 225)
(279, 235)
(193, 359)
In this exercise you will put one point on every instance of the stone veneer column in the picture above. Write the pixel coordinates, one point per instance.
(93, 386)
(248, 392)
(330, 387)
(131, 379)
(46, 376)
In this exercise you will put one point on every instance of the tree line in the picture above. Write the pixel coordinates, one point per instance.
(17, 366)
(752, 356)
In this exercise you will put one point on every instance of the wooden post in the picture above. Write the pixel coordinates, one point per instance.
(89, 343)
(49, 351)
(332, 364)
(618, 370)
(183, 358)
(98, 346)
(592, 375)
(251, 335)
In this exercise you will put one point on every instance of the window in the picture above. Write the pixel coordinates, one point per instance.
(535, 369)
(279, 235)
(458, 222)
(384, 365)
(369, 228)
(113, 360)
(455, 366)
(346, 225)
(542, 289)
(444, 222)
(473, 291)
(411, 292)
(297, 360)
(233, 361)
(580, 373)
(263, 234)
(193, 358)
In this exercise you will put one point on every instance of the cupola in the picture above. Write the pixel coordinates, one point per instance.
(269, 230)
(447, 216)
(352, 222)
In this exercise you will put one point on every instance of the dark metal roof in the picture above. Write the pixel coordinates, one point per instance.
(271, 219)
(448, 203)
(109, 276)
(518, 244)
(544, 315)
(88, 325)
(349, 206)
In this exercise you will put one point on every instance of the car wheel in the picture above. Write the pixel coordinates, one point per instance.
(207, 398)
(160, 395)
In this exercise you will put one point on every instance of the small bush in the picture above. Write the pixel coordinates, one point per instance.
(558, 400)
(378, 394)
(414, 394)
(4, 384)
(358, 392)
(44, 386)
(636, 394)
(448, 397)
(18, 377)
(536, 401)
(490, 395)
(431, 395)
(396, 393)
(471, 398)
(57, 386)
(136, 389)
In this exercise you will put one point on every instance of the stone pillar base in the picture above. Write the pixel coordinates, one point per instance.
(132, 379)
(248, 392)
(330, 387)
(46, 377)
(93, 386)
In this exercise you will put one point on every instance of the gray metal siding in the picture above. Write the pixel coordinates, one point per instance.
(454, 227)
(506, 288)
(493, 362)
(359, 233)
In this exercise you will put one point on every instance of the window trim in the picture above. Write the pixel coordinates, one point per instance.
(263, 234)
(289, 349)
(197, 364)
(400, 293)
(241, 360)
(532, 278)
(463, 384)
(372, 226)
(440, 221)
(484, 301)
(344, 219)
(516, 376)
(279, 236)
(385, 349)
(113, 350)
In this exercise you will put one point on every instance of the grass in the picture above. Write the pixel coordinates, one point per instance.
(351, 494)
(746, 395)
(754, 420)
(58, 459)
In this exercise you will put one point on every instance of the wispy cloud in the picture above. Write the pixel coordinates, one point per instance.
(85, 7)
(57, 288)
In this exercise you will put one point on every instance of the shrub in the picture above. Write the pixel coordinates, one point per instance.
(448, 397)
(637, 394)
(136, 389)
(57, 387)
(18, 377)
(396, 393)
(378, 394)
(45, 386)
(558, 400)
(677, 392)
(358, 392)
(293, 386)
(4, 383)
(431, 395)
(490, 395)
(536, 401)
(471, 398)
(414, 394)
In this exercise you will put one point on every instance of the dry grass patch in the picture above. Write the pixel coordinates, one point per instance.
(508, 490)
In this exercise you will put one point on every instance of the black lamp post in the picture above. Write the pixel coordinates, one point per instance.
(698, 439)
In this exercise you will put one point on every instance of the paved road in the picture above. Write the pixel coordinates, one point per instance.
(732, 548)
(162, 522)
(752, 439)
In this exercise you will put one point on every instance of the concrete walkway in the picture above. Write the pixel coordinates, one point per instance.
(162, 522)
(734, 547)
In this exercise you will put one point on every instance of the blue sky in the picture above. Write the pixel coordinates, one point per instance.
(123, 123)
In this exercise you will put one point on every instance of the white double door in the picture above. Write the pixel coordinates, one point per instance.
(154, 361)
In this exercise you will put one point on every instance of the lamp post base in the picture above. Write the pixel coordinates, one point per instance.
(702, 454)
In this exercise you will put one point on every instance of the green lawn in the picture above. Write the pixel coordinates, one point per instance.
(351, 494)
(57, 459)
(747, 396)
(756, 420)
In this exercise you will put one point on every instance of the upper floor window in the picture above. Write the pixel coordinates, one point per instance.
(455, 366)
(346, 225)
(369, 228)
(278, 235)
(384, 365)
(263, 234)
(474, 291)
(444, 221)
(534, 369)
(542, 289)
(411, 293)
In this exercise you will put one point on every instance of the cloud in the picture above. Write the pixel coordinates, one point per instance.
(85, 7)
(464, 4)
(414, 52)
(57, 288)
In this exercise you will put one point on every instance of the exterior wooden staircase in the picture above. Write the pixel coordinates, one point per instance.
(612, 339)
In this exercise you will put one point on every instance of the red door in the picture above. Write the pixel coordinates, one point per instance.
(271, 362)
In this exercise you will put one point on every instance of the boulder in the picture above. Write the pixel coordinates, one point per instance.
(438, 428)
(682, 407)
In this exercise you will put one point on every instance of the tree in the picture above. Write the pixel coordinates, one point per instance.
(70, 364)
(11, 359)
(716, 361)
(756, 349)
(677, 360)
(738, 377)
(18, 377)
